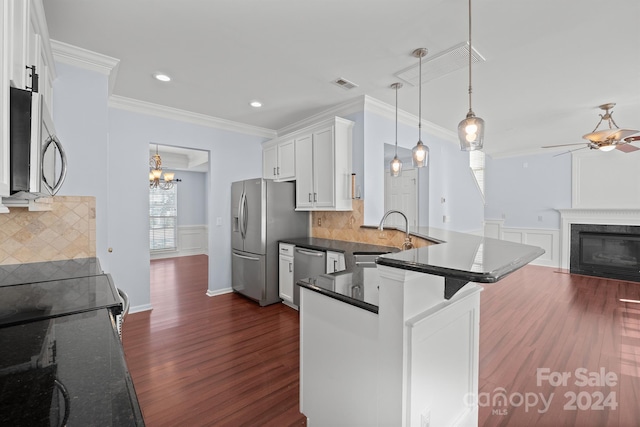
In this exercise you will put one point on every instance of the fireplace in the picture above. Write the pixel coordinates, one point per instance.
(611, 251)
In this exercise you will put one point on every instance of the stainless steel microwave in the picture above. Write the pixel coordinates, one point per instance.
(38, 163)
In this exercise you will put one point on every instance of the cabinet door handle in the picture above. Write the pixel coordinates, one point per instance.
(335, 265)
(290, 267)
(278, 170)
(274, 171)
(315, 197)
(309, 197)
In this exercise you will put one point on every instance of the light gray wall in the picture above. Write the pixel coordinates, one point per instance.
(115, 170)
(192, 197)
(524, 188)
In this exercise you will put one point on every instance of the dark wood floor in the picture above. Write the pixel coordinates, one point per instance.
(221, 361)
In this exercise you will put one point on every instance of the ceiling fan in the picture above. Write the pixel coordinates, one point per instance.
(607, 139)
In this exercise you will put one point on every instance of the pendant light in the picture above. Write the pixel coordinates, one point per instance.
(395, 167)
(471, 129)
(420, 152)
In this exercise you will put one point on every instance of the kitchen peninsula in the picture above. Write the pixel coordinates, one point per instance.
(404, 352)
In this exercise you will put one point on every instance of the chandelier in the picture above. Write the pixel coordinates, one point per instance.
(155, 174)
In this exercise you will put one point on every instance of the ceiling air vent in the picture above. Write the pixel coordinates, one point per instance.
(344, 83)
(441, 64)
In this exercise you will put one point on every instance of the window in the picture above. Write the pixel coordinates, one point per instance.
(476, 162)
(163, 217)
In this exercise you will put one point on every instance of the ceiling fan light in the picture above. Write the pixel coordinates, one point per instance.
(607, 147)
(471, 133)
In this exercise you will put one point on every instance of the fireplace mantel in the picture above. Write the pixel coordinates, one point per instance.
(591, 216)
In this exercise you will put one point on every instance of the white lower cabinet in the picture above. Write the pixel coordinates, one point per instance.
(335, 262)
(285, 272)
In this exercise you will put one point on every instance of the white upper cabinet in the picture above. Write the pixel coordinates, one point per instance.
(323, 166)
(4, 102)
(24, 39)
(278, 160)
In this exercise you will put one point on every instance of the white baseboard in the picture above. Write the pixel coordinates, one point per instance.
(217, 292)
(192, 240)
(139, 308)
(547, 239)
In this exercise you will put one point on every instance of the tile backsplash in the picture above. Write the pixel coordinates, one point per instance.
(68, 231)
(347, 226)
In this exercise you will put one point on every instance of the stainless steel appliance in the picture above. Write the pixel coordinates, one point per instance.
(307, 263)
(38, 163)
(262, 212)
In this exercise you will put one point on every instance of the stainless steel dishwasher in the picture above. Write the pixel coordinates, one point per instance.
(306, 263)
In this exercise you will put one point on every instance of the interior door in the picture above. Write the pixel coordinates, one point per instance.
(401, 193)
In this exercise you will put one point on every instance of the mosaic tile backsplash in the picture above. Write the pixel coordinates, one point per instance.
(68, 231)
(347, 226)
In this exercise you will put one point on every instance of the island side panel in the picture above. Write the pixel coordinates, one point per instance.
(338, 362)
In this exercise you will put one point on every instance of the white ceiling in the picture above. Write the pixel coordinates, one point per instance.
(549, 63)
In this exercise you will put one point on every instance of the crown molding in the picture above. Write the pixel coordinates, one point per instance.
(40, 23)
(157, 110)
(349, 107)
(86, 59)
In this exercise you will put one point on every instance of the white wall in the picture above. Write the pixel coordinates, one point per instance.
(114, 169)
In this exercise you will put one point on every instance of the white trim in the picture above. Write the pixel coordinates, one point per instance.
(349, 107)
(192, 240)
(216, 292)
(547, 239)
(143, 107)
(43, 31)
(373, 105)
(139, 308)
(388, 111)
(591, 216)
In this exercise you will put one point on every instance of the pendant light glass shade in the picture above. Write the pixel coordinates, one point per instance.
(471, 133)
(420, 152)
(471, 129)
(395, 167)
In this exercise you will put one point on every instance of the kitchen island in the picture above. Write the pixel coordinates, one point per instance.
(405, 351)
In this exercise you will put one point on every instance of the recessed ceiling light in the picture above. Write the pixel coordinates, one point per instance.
(162, 77)
(256, 104)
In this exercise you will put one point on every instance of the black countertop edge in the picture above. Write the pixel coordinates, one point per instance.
(351, 301)
(342, 246)
(411, 232)
(478, 277)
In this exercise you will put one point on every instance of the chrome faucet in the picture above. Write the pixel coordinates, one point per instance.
(407, 240)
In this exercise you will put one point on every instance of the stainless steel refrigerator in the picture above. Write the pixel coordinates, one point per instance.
(262, 213)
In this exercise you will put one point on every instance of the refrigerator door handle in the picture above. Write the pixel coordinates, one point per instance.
(245, 257)
(245, 215)
(240, 216)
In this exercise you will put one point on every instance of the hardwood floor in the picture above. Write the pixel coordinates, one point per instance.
(224, 361)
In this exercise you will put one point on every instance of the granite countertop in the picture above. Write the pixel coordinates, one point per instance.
(63, 357)
(357, 286)
(462, 256)
(347, 248)
(459, 257)
(43, 300)
(16, 274)
(69, 367)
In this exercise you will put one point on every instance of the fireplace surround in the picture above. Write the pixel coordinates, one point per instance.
(605, 250)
